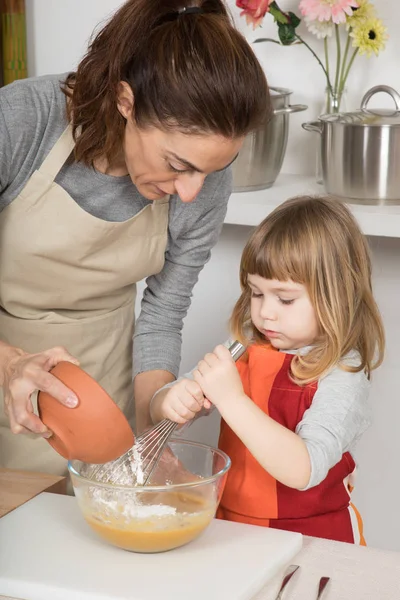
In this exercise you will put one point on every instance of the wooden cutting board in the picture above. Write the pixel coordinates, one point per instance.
(17, 487)
(47, 552)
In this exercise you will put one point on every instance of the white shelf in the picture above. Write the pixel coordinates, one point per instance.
(250, 208)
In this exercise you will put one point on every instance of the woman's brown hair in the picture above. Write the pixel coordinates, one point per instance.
(193, 72)
(316, 242)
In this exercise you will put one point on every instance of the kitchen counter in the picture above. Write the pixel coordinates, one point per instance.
(356, 573)
(250, 208)
(17, 487)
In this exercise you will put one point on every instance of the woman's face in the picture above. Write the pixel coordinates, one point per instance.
(162, 162)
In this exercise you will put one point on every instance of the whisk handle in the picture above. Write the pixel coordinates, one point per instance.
(237, 350)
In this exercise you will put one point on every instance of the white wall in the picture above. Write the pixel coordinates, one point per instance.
(57, 34)
(58, 31)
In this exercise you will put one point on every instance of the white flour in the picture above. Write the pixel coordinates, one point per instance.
(127, 506)
(129, 471)
(137, 465)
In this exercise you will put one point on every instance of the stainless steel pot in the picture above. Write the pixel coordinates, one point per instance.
(261, 157)
(360, 151)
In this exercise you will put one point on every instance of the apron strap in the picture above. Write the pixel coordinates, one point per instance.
(58, 154)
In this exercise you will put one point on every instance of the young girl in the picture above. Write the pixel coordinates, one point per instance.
(295, 404)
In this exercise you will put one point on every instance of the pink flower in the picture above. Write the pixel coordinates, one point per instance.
(254, 10)
(327, 10)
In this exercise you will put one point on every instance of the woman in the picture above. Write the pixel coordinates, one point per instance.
(109, 175)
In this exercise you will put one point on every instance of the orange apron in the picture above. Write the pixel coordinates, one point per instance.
(251, 494)
(69, 278)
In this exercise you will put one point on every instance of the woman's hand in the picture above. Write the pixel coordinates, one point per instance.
(22, 375)
(179, 403)
(218, 377)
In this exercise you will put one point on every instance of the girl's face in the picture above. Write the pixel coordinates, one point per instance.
(282, 312)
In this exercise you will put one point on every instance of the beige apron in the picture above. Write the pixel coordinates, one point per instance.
(69, 279)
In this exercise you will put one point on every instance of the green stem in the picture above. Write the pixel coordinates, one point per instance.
(349, 67)
(346, 53)
(326, 52)
(338, 57)
(319, 62)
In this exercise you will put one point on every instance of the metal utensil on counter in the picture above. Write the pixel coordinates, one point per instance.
(141, 460)
(323, 582)
(287, 576)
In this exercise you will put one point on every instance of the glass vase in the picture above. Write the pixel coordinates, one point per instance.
(334, 102)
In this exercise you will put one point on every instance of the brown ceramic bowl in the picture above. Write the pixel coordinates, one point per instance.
(96, 431)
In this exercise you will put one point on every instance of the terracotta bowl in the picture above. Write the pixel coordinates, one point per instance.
(96, 431)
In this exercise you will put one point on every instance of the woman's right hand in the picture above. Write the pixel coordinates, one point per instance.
(22, 375)
(179, 403)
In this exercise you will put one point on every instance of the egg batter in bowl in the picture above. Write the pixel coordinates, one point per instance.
(156, 518)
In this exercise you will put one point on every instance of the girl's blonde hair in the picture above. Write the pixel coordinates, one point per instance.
(316, 241)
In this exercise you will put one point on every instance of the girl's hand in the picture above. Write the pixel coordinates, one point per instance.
(179, 403)
(24, 374)
(218, 377)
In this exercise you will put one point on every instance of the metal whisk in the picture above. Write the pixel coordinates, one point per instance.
(140, 461)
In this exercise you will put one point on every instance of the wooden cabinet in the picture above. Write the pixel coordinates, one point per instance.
(13, 53)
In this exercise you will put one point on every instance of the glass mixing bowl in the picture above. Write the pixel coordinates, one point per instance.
(180, 503)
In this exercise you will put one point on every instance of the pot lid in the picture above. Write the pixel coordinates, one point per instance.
(366, 116)
(277, 92)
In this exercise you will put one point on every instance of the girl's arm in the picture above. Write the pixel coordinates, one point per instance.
(298, 460)
(339, 415)
(278, 450)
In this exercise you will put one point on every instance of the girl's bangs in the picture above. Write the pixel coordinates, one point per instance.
(276, 255)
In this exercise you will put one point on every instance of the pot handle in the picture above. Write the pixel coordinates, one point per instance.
(380, 88)
(289, 109)
(313, 126)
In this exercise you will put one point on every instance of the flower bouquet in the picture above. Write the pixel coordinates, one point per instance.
(353, 25)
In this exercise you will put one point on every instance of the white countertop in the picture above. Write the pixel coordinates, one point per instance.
(50, 530)
(250, 208)
(357, 573)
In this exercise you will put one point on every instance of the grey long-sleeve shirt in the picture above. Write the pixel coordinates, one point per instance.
(32, 118)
